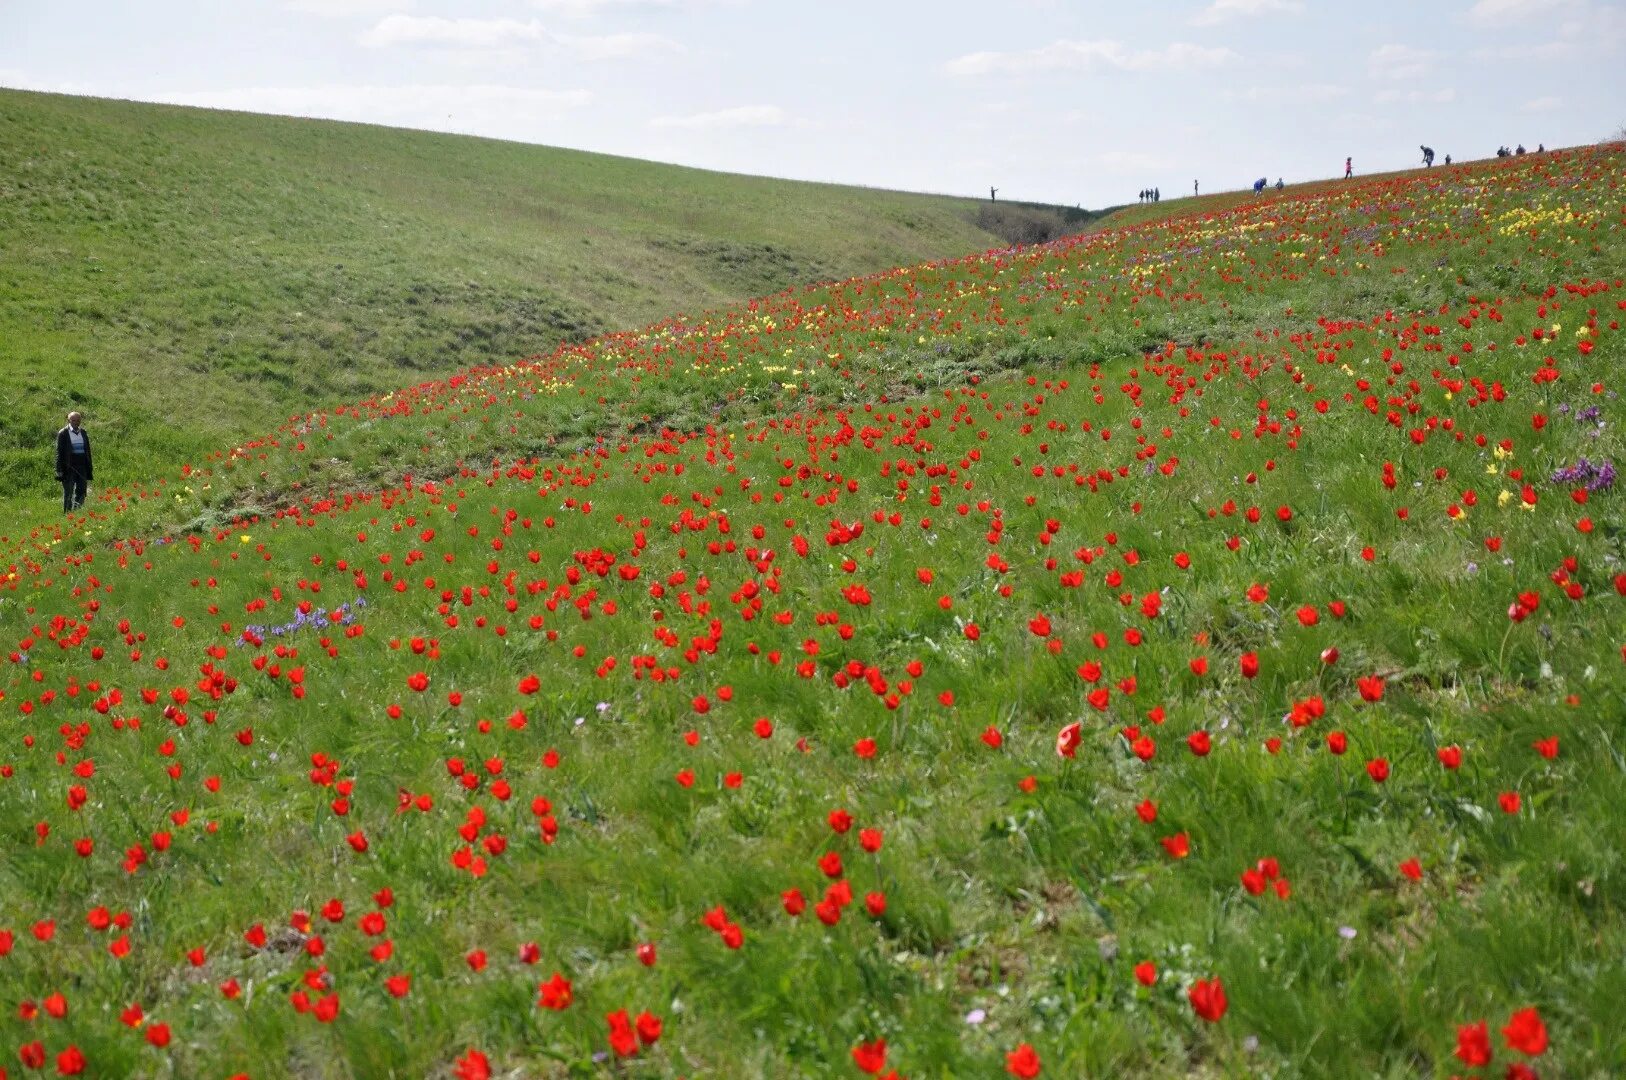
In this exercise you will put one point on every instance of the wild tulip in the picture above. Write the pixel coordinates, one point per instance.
(473, 1066)
(1207, 998)
(870, 1057)
(1526, 1033)
(623, 1038)
(556, 993)
(1023, 1062)
(1473, 1044)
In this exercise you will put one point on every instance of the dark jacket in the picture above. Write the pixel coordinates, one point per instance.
(65, 457)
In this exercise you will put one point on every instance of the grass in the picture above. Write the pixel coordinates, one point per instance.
(186, 276)
(922, 522)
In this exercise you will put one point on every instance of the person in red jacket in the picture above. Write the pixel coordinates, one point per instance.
(73, 463)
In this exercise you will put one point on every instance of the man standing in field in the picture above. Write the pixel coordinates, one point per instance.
(1349, 167)
(73, 465)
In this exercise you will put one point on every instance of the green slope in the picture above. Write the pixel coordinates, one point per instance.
(189, 277)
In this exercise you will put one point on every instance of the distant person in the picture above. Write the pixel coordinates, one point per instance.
(73, 464)
(1157, 194)
(1259, 186)
(1501, 151)
(1448, 159)
(1278, 183)
(1349, 167)
(1520, 149)
(1428, 156)
(1541, 148)
(1194, 188)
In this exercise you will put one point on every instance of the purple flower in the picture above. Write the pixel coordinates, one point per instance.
(304, 621)
(1584, 473)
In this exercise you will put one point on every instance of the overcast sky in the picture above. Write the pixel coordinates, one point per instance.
(1068, 102)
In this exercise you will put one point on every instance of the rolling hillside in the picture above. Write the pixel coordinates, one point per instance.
(190, 277)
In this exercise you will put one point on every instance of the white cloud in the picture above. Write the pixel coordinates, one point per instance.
(1596, 28)
(1542, 104)
(1575, 24)
(1399, 62)
(617, 46)
(740, 116)
(1224, 10)
(1502, 12)
(1069, 55)
(344, 9)
(583, 9)
(1416, 97)
(460, 33)
(506, 35)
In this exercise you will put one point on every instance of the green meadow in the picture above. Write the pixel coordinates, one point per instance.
(188, 276)
(1188, 649)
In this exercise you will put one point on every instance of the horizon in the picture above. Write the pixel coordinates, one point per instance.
(708, 84)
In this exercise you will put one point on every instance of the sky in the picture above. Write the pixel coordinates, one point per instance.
(1079, 103)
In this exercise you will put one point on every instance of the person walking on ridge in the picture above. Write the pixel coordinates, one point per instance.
(73, 462)
(1349, 167)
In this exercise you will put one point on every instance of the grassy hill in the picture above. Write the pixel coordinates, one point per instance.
(1189, 650)
(190, 277)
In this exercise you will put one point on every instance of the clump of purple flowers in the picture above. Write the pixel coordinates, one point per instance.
(318, 617)
(1591, 414)
(1598, 477)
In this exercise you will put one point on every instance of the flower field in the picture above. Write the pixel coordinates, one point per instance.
(1194, 649)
